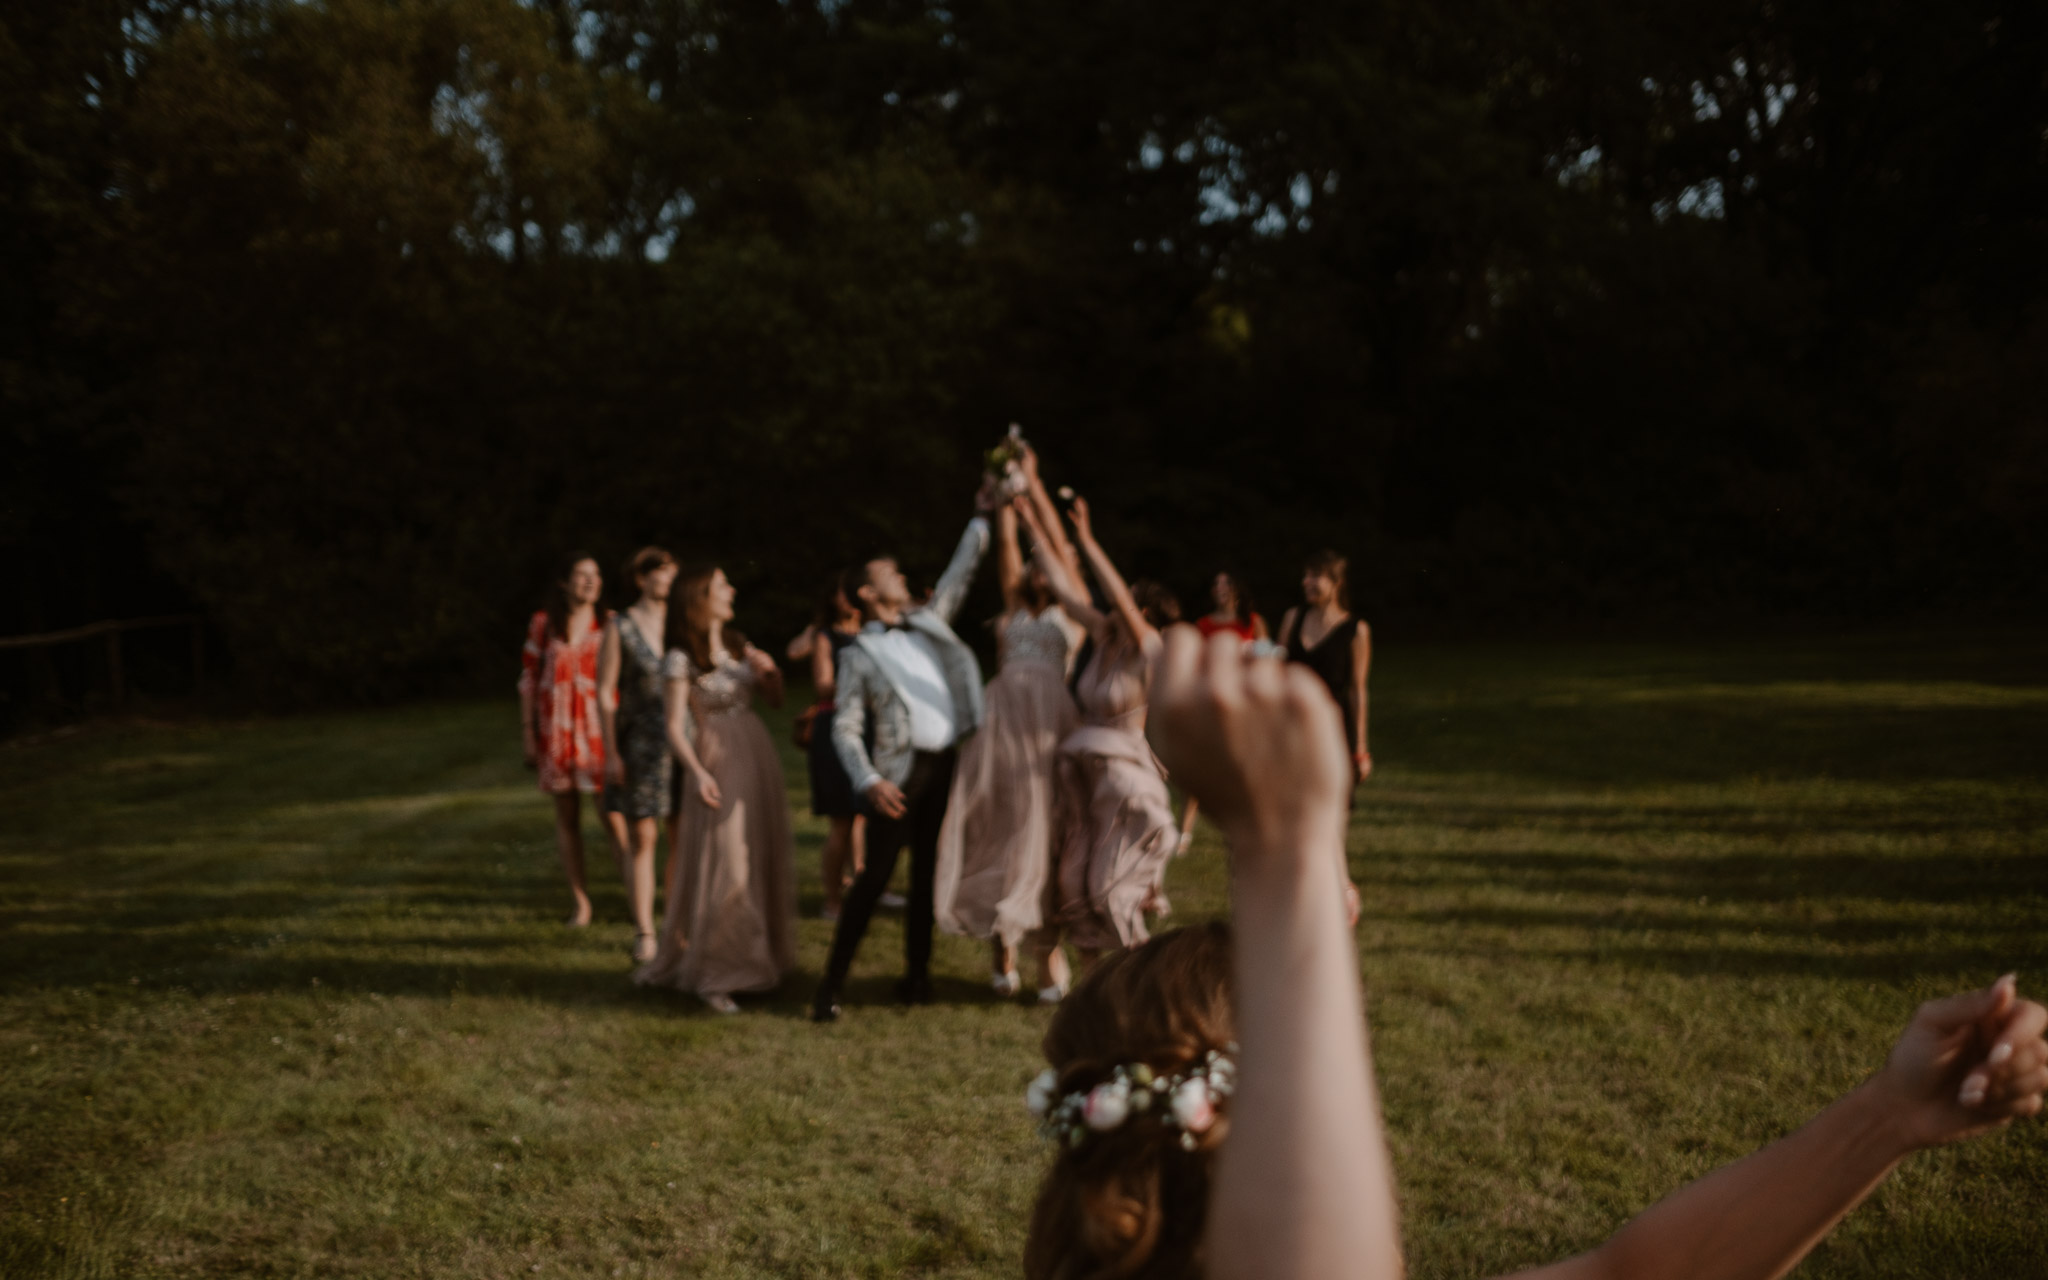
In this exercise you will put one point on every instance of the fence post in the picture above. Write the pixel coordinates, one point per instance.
(117, 687)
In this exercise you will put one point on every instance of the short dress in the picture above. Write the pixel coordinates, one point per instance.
(831, 790)
(641, 729)
(560, 677)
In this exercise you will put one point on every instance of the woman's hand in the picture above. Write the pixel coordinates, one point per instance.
(614, 770)
(762, 665)
(707, 789)
(1257, 741)
(1363, 763)
(1027, 460)
(1077, 512)
(1967, 1064)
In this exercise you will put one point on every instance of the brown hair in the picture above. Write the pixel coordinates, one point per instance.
(1160, 606)
(558, 606)
(645, 561)
(693, 584)
(1131, 1203)
(1337, 569)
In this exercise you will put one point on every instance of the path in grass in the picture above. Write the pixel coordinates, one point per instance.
(288, 997)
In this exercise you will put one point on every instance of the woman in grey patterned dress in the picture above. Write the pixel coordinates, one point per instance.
(637, 761)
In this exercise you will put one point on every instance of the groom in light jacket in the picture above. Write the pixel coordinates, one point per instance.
(909, 691)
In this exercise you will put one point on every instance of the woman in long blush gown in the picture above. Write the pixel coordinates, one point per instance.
(995, 847)
(1115, 819)
(730, 921)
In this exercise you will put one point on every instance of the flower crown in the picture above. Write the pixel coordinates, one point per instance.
(1188, 1100)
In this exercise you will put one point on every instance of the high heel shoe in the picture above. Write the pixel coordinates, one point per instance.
(1052, 994)
(721, 1003)
(1006, 984)
(644, 948)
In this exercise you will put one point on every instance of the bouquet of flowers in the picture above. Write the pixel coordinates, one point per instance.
(1005, 463)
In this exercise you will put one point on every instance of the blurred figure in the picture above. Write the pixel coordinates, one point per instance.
(1115, 824)
(1233, 611)
(995, 847)
(1211, 1095)
(730, 921)
(638, 766)
(561, 727)
(1323, 635)
(832, 798)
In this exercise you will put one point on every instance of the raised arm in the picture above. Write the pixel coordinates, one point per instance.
(1113, 585)
(1048, 514)
(1303, 1186)
(1009, 559)
(1066, 586)
(951, 592)
(1965, 1065)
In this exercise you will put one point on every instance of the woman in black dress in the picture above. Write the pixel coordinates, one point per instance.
(832, 798)
(1324, 636)
(637, 761)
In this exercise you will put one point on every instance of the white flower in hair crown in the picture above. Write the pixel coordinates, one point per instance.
(1187, 1100)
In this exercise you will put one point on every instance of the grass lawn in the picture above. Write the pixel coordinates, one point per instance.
(290, 997)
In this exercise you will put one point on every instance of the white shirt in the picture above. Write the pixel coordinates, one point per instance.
(909, 662)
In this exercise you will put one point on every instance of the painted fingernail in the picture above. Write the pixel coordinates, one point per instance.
(1999, 1053)
(1973, 1091)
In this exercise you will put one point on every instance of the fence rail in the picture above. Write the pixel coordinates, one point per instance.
(111, 628)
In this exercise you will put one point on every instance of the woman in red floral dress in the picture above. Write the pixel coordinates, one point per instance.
(558, 710)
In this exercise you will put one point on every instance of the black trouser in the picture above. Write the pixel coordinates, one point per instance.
(925, 793)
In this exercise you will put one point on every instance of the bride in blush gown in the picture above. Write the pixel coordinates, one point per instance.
(995, 847)
(1115, 826)
(730, 922)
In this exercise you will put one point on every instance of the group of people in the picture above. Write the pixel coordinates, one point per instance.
(1209, 1093)
(1035, 813)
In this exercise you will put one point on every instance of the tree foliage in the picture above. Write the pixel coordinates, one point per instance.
(344, 320)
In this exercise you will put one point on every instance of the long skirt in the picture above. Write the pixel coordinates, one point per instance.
(1116, 833)
(730, 921)
(995, 847)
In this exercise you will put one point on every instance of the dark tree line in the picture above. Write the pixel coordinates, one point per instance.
(339, 322)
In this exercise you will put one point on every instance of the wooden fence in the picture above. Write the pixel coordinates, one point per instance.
(117, 681)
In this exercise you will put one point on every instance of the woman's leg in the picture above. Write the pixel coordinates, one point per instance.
(857, 846)
(1002, 957)
(640, 886)
(569, 844)
(1053, 973)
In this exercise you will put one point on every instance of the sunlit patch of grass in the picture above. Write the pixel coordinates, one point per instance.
(290, 998)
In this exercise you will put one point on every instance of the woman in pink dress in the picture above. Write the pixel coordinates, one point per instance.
(1115, 822)
(730, 921)
(558, 711)
(995, 847)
